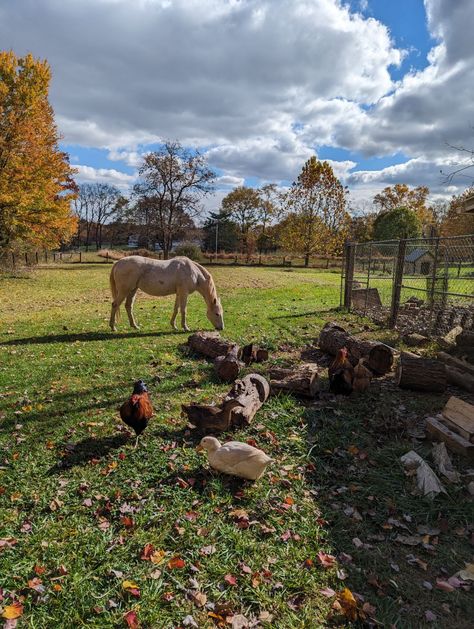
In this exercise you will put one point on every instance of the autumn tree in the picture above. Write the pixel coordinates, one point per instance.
(457, 222)
(172, 183)
(362, 228)
(401, 195)
(244, 206)
(399, 222)
(97, 204)
(36, 180)
(317, 221)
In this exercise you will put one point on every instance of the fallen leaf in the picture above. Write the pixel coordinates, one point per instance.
(429, 616)
(409, 540)
(127, 521)
(176, 563)
(168, 596)
(467, 574)
(15, 610)
(36, 585)
(188, 621)
(207, 550)
(327, 592)
(326, 560)
(132, 588)
(156, 574)
(444, 585)
(239, 621)
(199, 599)
(131, 619)
(347, 604)
(231, 580)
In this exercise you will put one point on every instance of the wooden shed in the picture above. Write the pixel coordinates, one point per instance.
(419, 262)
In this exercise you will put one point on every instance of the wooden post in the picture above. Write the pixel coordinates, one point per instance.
(397, 282)
(37, 259)
(45, 255)
(349, 274)
(80, 257)
(13, 259)
(26, 257)
(54, 257)
(368, 281)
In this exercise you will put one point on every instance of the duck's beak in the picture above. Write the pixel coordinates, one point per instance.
(199, 448)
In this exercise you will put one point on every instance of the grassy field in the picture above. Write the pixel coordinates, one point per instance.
(79, 505)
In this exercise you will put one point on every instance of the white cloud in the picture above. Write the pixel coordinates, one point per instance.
(88, 174)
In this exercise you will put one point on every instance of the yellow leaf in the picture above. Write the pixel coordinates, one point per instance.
(130, 585)
(12, 611)
(157, 557)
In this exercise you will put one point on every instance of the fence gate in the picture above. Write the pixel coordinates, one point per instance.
(424, 285)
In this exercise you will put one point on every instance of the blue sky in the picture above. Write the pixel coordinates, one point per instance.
(378, 87)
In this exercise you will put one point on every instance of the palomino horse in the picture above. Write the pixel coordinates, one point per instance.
(180, 276)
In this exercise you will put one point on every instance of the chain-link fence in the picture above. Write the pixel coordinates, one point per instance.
(423, 285)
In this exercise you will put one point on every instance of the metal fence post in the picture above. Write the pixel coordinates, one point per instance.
(349, 273)
(397, 282)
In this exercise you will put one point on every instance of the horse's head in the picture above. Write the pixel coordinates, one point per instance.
(215, 313)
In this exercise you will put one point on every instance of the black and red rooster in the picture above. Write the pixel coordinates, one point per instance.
(137, 410)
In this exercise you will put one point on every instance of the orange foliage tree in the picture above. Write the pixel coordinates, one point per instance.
(457, 222)
(36, 180)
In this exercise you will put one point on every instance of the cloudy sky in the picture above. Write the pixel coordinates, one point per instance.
(380, 88)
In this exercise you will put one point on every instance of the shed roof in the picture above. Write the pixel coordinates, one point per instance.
(416, 254)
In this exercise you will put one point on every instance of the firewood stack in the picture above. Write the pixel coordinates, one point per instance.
(454, 426)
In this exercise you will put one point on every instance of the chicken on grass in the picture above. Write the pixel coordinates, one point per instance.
(137, 410)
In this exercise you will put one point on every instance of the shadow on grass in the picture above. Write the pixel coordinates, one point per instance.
(199, 478)
(83, 337)
(311, 313)
(88, 449)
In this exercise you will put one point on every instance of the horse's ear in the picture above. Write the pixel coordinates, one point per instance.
(215, 300)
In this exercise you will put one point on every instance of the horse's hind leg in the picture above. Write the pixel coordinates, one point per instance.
(114, 311)
(129, 308)
(183, 302)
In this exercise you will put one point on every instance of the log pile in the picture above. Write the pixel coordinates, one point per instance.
(300, 380)
(459, 372)
(237, 409)
(454, 426)
(228, 357)
(378, 356)
(421, 374)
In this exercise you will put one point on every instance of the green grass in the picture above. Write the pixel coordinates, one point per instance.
(70, 477)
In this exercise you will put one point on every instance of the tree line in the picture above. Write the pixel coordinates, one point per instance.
(42, 206)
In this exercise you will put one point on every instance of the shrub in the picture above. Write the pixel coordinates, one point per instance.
(190, 250)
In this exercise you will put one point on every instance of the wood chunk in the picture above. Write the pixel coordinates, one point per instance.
(378, 356)
(460, 379)
(421, 374)
(300, 379)
(465, 339)
(461, 415)
(452, 361)
(365, 297)
(438, 431)
(416, 340)
(251, 353)
(228, 367)
(237, 409)
(209, 344)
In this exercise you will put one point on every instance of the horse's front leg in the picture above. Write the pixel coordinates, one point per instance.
(129, 308)
(183, 302)
(175, 313)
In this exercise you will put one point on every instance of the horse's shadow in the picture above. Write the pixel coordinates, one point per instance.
(84, 337)
(88, 449)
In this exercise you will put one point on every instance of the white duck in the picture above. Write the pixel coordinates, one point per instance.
(235, 458)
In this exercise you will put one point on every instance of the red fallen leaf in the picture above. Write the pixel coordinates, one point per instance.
(327, 561)
(147, 552)
(176, 563)
(289, 500)
(182, 483)
(444, 585)
(255, 579)
(252, 442)
(285, 536)
(121, 456)
(36, 585)
(230, 580)
(308, 563)
(132, 588)
(245, 568)
(131, 619)
(191, 516)
(39, 570)
(168, 596)
(62, 570)
(127, 521)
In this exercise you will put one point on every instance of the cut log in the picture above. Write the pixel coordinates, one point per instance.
(460, 379)
(465, 339)
(438, 431)
(461, 414)
(228, 367)
(416, 340)
(421, 374)
(209, 344)
(378, 356)
(251, 353)
(237, 409)
(300, 380)
(262, 355)
(452, 361)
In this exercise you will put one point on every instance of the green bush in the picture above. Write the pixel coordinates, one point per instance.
(190, 250)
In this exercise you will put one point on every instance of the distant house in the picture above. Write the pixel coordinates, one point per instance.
(469, 204)
(132, 241)
(419, 262)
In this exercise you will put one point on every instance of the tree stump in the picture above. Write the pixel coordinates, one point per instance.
(237, 409)
(209, 344)
(421, 374)
(378, 356)
(300, 380)
(228, 367)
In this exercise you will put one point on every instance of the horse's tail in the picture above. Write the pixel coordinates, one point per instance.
(113, 289)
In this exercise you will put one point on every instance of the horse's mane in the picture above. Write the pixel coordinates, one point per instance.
(209, 279)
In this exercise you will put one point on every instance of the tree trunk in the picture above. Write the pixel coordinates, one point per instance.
(237, 409)
(228, 367)
(421, 374)
(379, 357)
(300, 379)
(306, 259)
(210, 344)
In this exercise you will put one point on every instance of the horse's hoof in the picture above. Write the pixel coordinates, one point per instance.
(186, 329)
